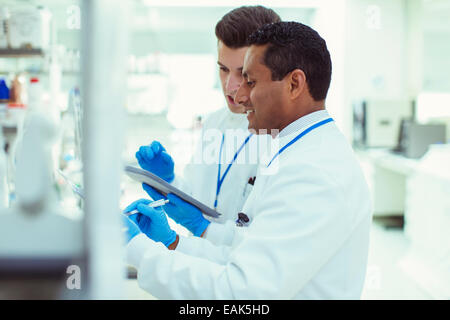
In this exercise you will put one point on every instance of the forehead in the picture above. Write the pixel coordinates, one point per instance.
(254, 60)
(227, 55)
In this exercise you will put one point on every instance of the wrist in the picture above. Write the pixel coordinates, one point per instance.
(174, 244)
(201, 227)
(171, 239)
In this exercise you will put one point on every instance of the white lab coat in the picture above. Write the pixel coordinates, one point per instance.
(307, 238)
(200, 175)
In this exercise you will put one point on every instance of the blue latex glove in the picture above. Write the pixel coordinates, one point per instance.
(181, 212)
(152, 221)
(155, 159)
(131, 229)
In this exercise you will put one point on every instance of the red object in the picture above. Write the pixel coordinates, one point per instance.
(33, 80)
(16, 105)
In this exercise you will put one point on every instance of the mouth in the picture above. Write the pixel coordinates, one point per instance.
(231, 100)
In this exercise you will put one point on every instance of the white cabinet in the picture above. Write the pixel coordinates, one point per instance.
(386, 174)
(419, 189)
(427, 223)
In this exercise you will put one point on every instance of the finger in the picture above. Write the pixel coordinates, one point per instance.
(156, 147)
(160, 147)
(134, 218)
(141, 150)
(146, 153)
(155, 195)
(133, 205)
(149, 153)
(130, 207)
(149, 212)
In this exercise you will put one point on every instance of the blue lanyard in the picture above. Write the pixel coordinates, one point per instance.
(321, 123)
(219, 179)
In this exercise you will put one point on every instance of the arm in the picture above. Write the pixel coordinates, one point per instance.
(291, 238)
(153, 223)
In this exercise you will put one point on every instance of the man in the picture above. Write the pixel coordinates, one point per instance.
(222, 183)
(306, 231)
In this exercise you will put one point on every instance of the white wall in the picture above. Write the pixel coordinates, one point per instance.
(375, 52)
(369, 46)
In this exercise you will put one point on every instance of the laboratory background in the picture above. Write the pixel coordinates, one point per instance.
(389, 95)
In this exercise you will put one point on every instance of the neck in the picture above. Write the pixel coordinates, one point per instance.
(297, 113)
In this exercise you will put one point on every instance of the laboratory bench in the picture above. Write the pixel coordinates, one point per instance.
(386, 174)
(419, 191)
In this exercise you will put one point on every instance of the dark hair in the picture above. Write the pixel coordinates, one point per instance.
(235, 27)
(293, 45)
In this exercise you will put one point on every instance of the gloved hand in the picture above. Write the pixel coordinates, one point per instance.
(152, 221)
(181, 212)
(155, 159)
(131, 229)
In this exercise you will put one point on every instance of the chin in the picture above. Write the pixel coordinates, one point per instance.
(236, 109)
(253, 128)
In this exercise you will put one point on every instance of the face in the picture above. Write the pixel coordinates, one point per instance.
(230, 62)
(264, 100)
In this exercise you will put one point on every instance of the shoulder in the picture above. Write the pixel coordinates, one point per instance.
(213, 119)
(324, 154)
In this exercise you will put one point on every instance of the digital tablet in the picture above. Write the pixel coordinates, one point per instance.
(164, 188)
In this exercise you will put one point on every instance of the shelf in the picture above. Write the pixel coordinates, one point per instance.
(20, 53)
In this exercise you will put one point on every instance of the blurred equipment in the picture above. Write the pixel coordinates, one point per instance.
(415, 138)
(4, 91)
(30, 28)
(37, 243)
(4, 27)
(76, 112)
(4, 189)
(43, 248)
(104, 50)
(376, 122)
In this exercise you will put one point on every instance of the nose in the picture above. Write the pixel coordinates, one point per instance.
(233, 82)
(241, 96)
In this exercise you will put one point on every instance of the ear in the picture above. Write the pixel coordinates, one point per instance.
(297, 83)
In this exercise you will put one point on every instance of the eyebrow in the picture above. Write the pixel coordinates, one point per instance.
(222, 65)
(245, 74)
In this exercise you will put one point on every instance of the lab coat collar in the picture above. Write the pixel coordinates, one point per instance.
(304, 122)
(237, 118)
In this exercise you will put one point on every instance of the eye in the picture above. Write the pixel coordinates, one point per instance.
(223, 69)
(251, 84)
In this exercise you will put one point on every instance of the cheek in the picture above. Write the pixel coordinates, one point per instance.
(223, 80)
(262, 100)
(266, 103)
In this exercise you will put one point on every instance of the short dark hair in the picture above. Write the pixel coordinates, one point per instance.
(293, 45)
(235, 27)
